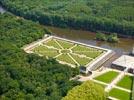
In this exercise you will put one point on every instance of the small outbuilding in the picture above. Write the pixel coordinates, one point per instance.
(123, 62)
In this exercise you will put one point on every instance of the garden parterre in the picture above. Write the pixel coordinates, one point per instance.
(67, 52)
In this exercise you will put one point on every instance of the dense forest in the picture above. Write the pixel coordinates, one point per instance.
(27, 76)
(94, 15)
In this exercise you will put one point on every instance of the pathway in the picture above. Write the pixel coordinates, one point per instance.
(58, 44)
(116, 80)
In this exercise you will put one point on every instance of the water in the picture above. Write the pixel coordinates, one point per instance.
(125, 45)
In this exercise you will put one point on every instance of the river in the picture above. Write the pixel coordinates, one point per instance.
(124, 45)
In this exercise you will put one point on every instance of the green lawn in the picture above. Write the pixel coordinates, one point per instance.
(42, 50)
(65, 44)
(107, 77)
(126, 82)
(80, 60)
(89, 52)
(119, 94)
(52, 43)
(66, 58)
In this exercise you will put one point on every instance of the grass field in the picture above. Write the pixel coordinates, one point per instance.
(126, 82)
(44, 51)
(81, 60)
(66, 58)
(67, 52)
(89, 52)
(107, 77)
(119, 94)
(64, 44)
(53, 43)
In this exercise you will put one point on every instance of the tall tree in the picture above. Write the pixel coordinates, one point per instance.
(87, 91)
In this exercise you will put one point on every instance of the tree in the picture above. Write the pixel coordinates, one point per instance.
(109, 38)
(87, 91)
(90, 15)
(112, 38)
(101, 37)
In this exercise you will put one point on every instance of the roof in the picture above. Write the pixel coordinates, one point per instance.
(125, 61)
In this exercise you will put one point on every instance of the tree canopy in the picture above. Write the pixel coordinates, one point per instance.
(87, 91)
(109, 38)
(28, 76)
(94, 15)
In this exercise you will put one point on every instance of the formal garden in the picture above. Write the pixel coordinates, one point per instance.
(122, 90)
(67, 52)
